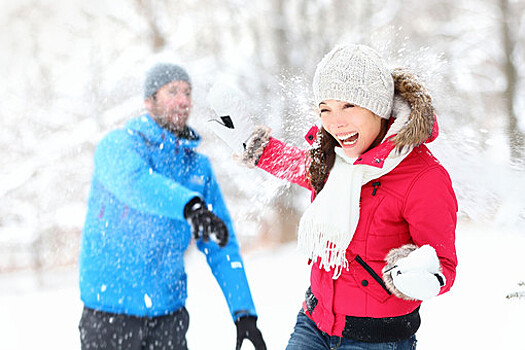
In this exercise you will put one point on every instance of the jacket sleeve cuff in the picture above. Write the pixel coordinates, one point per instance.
(391, 260)
(255, 146)
(237, 315)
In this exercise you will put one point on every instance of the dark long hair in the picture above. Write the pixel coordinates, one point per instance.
(322, 156)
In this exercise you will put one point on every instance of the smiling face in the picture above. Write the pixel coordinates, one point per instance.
(171, 105)
(355, 128)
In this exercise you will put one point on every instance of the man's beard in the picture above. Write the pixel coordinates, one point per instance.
(173, 124)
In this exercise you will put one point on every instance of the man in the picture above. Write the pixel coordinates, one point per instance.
(150, 192)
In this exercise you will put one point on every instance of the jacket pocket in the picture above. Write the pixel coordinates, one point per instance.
(369, 281)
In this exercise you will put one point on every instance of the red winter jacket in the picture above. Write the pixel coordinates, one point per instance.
(414, 203)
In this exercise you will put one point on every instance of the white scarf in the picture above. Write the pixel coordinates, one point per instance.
(328, 224)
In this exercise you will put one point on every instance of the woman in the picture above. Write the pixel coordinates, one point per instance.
(381, 228)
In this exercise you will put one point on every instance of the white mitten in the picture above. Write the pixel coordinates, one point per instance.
(232, 123)
(418, 275)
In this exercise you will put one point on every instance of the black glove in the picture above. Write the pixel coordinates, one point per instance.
(205, 224)
(247, 328)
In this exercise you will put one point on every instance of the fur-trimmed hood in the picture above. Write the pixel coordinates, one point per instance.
(419, 123)
(413, 119)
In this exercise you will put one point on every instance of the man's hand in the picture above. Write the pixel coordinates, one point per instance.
(247, 329)
(232, 122)
(205, 224)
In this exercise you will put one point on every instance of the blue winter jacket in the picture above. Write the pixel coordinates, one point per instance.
(135, 233)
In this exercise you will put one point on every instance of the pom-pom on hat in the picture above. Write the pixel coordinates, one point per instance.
(161, 74)
(356, 74)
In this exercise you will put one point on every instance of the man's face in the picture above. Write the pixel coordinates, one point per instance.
(170, 107)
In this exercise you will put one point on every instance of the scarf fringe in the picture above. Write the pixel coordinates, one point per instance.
(317, 245)
(329, 223)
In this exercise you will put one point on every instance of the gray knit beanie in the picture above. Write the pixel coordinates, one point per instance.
(161, 74)
(356, 74)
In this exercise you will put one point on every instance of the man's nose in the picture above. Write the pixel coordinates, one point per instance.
(183, 100)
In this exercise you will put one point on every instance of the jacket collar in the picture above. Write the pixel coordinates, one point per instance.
(377, 155)
(149, 129)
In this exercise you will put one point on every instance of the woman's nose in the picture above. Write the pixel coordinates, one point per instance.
(340, 119)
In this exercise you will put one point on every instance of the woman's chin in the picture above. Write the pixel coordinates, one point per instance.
(351, 151)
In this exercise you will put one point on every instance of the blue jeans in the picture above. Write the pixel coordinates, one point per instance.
(306, 336)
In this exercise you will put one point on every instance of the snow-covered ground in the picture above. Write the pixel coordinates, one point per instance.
(474, 315)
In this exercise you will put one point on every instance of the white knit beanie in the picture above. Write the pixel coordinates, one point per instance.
(356, 74)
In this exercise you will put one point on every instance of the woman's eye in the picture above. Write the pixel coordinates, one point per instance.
(324, 110)
(348, 105)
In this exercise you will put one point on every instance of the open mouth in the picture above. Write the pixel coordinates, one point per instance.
(348, 139)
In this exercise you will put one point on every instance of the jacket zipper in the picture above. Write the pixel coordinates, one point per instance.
(376, 186)
(372, 273)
